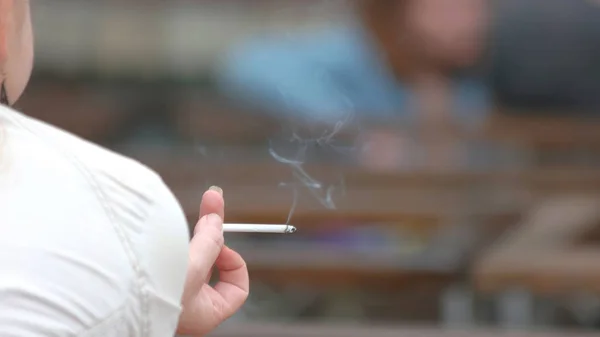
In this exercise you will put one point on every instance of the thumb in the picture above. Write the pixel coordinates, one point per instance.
(205, 247)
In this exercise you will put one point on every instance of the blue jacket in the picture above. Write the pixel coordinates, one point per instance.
(328, 76)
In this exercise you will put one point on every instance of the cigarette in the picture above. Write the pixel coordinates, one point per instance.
(258, 228)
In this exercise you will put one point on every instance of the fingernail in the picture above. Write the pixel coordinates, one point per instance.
(215, 219)
(216, 189)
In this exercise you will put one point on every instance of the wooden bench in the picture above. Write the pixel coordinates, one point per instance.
(550, 140)
(535, 133)
(202, 120)
(428, 205)
(545, 132)
(544, 256)
(254, 193)
(322, 330)
(72, 107)
(414, 194)
(421, 201)
(542, 253)
(424, 204)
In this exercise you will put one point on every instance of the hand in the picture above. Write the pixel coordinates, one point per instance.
(205, 307)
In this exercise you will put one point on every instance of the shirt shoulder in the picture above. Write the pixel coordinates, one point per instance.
(105, 171)
(120, 217)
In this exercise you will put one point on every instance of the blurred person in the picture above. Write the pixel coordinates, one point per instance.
(396, 50)
(401, 59)
(92, 243)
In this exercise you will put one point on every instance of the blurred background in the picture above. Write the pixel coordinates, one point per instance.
(438, 157)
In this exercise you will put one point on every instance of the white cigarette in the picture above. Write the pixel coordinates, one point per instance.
(258, 228)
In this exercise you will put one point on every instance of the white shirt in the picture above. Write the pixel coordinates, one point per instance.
(91, 243)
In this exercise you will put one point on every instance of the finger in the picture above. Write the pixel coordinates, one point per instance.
(234, 282)
(212, 202)
(205, 247)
